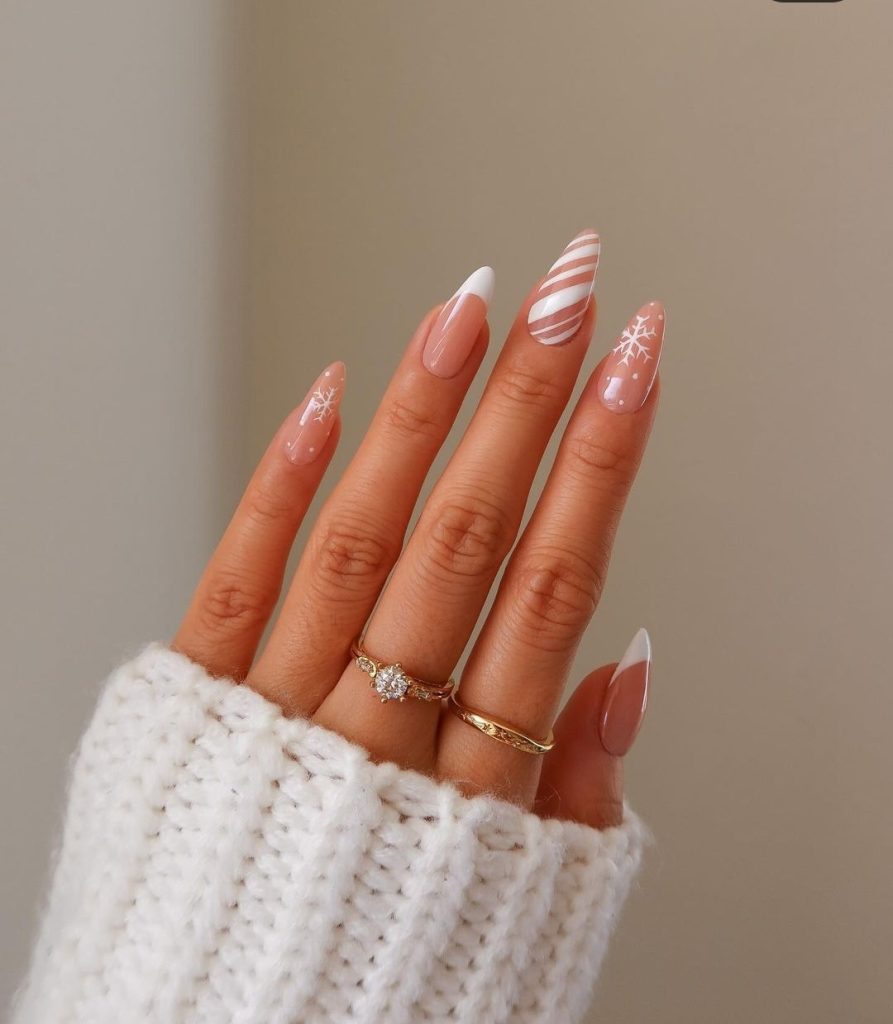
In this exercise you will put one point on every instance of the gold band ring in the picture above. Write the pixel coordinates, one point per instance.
(500, 730)
(391, 682)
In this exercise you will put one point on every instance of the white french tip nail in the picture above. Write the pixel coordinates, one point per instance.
(639, 650)
(480, 283)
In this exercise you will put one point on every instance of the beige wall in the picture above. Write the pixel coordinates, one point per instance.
(735, 157)
(120, 364)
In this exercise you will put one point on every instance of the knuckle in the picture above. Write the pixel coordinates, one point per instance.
(521, 387)
(231, 604)
(350, 556)
(407, 419)
(556, 595)
(466, 536)
(265, 507)
(590, 455)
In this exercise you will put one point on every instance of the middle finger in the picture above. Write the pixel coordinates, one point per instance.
(468, 525)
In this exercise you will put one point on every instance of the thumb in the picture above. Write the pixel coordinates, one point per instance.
(582, 778)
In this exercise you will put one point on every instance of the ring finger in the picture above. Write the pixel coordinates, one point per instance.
(517, 671)
(440, 583)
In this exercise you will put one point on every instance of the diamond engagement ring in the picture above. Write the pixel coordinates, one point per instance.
(391, 682)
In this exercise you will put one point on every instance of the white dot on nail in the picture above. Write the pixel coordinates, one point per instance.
(621, 401)
(311, 449)
(660, 316)
(328, 373)
(635, 376)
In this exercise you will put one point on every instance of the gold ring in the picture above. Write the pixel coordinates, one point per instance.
(501, 731)
(392, 682)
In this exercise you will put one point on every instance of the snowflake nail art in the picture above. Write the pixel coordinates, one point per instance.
(317, 415)
(630, 369)
(323, 403)
(631, 346)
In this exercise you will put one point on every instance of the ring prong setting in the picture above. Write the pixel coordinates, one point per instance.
(391, 683)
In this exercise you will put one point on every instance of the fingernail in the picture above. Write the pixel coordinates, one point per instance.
(306, 436)
(565, 294)
(458, 324)
(630, 369)
(626, 697)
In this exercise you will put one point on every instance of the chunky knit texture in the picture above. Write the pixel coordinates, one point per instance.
(222, 863)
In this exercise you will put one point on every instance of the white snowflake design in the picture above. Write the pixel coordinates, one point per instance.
(631, 344)
(322, 404)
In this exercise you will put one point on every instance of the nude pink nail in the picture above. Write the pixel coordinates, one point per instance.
(309, 428)
(564, 296)
(630, 370)
(458, 324)
(626, 697)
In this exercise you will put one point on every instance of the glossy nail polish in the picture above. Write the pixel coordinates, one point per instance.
(626, 697)
(564, 296)
(307, 433)
(630, 370)
(458, 324)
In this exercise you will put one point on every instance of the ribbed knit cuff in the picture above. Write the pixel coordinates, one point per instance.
(222, 862)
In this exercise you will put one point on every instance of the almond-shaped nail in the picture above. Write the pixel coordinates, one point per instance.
(564, 296)
(629, 371)
(309, 427)
(626, 697)
(458, 324)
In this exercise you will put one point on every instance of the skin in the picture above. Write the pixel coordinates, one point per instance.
(419, 600)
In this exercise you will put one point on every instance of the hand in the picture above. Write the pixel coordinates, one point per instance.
(418, 604)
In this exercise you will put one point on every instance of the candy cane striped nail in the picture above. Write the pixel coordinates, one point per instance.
(564, 295)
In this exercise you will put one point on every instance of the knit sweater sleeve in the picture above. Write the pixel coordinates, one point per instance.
(223, 863)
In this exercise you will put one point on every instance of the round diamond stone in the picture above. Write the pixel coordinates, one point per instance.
(391, 682)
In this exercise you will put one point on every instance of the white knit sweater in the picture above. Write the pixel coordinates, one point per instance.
(222, 863)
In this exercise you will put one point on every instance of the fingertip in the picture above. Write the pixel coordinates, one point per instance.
(626, 699)
(581, 780)
(306, 431)
(481, 283)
